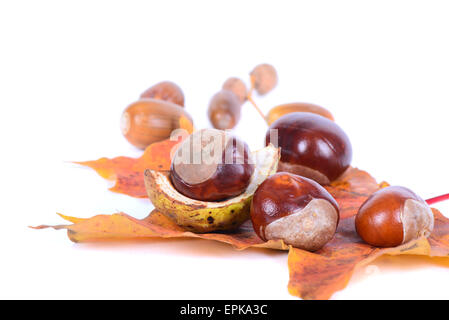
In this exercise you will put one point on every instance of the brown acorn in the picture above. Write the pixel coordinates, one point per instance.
(224, 110)
(265, 78)
(237, 86)
(167, 91)
(151, 120)
(283, 109)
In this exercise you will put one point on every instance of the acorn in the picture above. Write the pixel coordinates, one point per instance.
(151, 120)
(265, 78)
(224, 110)
(283, 109)
(237, 86)
(166, 91)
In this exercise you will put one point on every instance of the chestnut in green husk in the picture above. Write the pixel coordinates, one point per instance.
(296, 210)
(311, 146)
(211, 165)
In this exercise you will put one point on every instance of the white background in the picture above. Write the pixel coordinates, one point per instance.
(69, 68)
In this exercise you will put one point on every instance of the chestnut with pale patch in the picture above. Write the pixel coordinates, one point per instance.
(295, 209)
(393, 216)
(211, 165)
(317, 222)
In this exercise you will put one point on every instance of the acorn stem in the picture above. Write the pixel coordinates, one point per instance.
(249, 97)
(438, 199)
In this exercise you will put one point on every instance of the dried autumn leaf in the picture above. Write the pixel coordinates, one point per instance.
(312, 275)
(350, 191)
(121, 226)
(318, 275)
(128, 172)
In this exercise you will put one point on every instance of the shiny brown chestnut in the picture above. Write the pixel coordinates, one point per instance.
(295, 209)
(393, 216)
(167, 91)
(211, 165)
(224, 110)
(311, 146)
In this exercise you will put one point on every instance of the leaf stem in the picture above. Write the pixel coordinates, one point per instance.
(438, 199)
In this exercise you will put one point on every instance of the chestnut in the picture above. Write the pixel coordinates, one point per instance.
(211, 165)
(150, 120)
(393, 216)
(167, 91)
(224, 110)
(295, 209)
(311, 146)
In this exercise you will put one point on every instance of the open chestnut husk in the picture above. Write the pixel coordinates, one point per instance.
(203, 216)
(311, 146)
(296, 210)
(393, 216)
(166, 91)
(211, 165)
